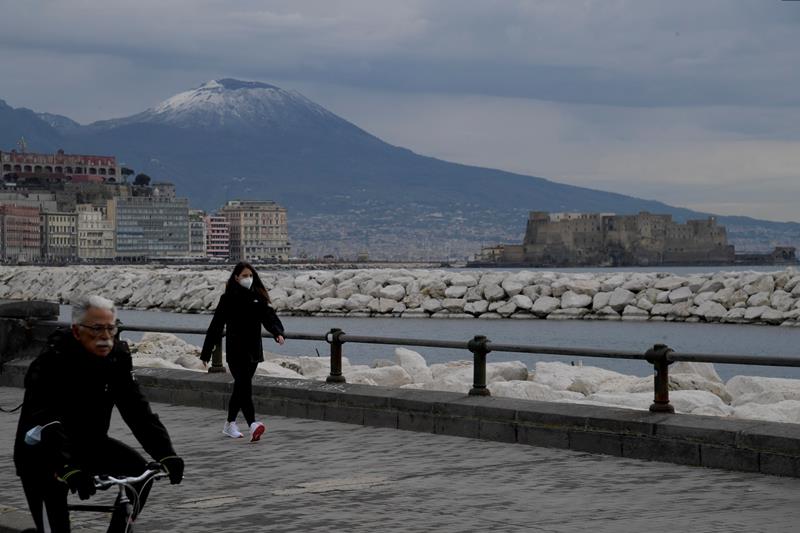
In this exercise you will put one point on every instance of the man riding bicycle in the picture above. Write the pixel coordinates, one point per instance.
(62, 438)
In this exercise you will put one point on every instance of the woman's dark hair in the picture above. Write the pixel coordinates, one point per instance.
(258, 285)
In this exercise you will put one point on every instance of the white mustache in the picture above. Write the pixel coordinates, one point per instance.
(104, 344)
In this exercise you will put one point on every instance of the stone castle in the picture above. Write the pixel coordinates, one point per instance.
(604, 239)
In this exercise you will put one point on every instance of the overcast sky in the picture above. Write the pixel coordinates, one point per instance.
(695, 103)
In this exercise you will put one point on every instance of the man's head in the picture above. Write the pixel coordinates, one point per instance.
(94, 324)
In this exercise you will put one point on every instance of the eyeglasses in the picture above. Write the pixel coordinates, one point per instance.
(96, 331)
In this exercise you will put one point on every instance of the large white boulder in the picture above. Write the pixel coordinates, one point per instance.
(413, 363)
(530, 390)
(545, 305)
(684, 401)
(560, 376)
(754, 386)
(573, 300)
(783, 411)
(385, 376)
(318, 367)
(273, 369)
(463, 371)
(681, 294)
(493, 293)
(620, 298)
(711, 311)
(584, 286)
(393, 292)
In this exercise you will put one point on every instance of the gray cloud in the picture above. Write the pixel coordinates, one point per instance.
(639, 53)
(693, 103)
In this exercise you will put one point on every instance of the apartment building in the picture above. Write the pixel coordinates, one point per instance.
(258, 230)
(151, 226)
(95, 233)
(59, 237)
(217, 237)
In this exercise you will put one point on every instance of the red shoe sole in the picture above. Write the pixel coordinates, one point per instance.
(257, 433)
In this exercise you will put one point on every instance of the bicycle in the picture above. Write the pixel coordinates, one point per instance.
(123, 505)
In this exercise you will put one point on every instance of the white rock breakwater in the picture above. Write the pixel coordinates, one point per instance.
(731, 297)
(696, 388)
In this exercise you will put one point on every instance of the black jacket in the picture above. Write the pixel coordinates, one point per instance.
(241, 312)
(79, 389)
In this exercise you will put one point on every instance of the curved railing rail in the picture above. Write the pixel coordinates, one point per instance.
(659, 355)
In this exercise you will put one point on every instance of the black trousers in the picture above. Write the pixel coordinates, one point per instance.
(46, 493)
(242, 396)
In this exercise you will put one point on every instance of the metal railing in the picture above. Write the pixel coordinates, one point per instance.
(659, 355)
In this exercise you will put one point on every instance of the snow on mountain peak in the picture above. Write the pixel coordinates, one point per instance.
(230, 103)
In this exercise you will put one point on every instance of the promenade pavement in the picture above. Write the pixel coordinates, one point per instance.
(313, 476)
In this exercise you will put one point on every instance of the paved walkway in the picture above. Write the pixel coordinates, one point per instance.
(311, 476)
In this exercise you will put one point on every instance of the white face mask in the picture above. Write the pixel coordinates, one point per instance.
(246, 282)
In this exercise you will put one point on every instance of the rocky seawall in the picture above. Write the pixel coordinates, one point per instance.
(728, 297)
(695, 388)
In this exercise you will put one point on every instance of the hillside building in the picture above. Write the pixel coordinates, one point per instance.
(258, 230)
(19, 166)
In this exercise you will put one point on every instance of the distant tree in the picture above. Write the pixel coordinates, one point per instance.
(142, 179)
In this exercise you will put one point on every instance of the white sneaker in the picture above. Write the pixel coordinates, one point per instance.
(256, 430)
(232, 430)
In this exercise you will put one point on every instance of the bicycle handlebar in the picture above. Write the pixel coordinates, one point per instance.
(105, 482)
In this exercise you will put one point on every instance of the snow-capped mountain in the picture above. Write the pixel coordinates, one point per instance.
(230, 103)
(345, 189)
(60, 123)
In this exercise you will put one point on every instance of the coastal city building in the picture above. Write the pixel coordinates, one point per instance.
(197, 233)
(86, 209)
(150, 226)
(20, 234)
(258, 230)
(96, 235)
(59, 237)
(217, 237)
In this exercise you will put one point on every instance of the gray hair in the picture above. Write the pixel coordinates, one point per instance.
(82, 305)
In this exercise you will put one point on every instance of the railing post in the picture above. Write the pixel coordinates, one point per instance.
(334, 339)
(657, 356)
(216, 359)
(479, 348)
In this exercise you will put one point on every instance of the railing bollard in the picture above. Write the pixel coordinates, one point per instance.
(216, 360)
(334, 339)
(479, 348)
(657, 356)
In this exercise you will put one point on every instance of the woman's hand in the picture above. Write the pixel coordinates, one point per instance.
(279, 339)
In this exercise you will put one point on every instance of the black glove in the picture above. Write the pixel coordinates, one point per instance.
(173, 465)
(79, 481)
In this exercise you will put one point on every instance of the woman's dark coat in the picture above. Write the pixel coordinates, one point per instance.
(241, 312)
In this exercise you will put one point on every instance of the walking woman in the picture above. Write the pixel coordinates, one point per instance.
(242, 309)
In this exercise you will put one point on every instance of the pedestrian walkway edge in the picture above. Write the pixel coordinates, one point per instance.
(742, 445)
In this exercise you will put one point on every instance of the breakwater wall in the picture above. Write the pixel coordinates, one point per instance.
(728, 297)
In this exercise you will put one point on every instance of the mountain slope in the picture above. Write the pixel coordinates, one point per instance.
(345, 189)
(18, 123)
